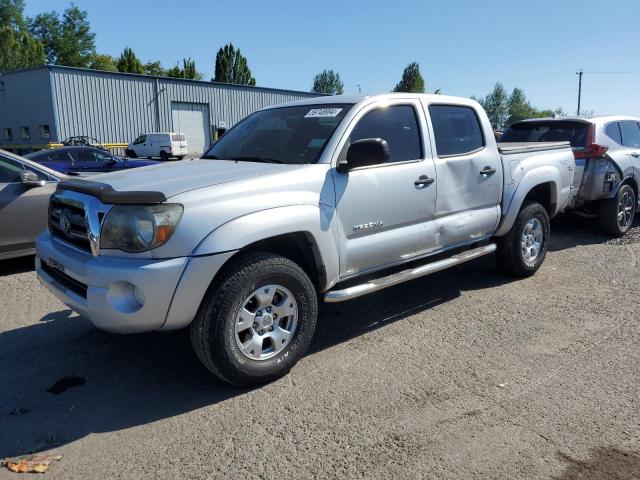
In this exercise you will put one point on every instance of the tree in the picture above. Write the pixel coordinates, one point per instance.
(154, 68)
(67, 40)
(104, 62)
(411, 81)
(519, 107)
(129, 63)
(496, 104)
(328, 82)
(174, 72)
(231, 67)
(188, 71)
(19, 50)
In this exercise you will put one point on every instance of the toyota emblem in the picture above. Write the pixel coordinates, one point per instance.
(65, 223)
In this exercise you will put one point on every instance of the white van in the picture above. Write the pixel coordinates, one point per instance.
(162, 144)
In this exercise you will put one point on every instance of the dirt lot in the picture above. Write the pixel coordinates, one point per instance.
(465, 374)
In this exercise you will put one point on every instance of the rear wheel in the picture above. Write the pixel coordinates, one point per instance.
(164, 156)
(523, 249)
(130, 153)
(616, 214)
(257, 322)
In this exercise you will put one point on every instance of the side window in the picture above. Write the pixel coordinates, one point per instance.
(397, 125)
(102, 156)
(612, 131)
(9, 170)
(630, 134)
(85, 155)
(140, 139)
(457, 130)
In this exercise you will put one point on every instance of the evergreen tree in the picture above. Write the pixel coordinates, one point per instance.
(231, 67)
(129, 63)
(411, 81)
(328, 82)
(496, 104)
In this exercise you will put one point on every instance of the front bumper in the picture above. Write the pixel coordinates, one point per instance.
(126, 295)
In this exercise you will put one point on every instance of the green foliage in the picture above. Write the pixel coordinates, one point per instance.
(496, 104)
(104, 62)
(12, 14)
(504, 110)
(154, 69)
(232, 67)
(19, 50)
(129, 63)
(67, 39)
(328, 82)
(188, 70)
(411, 81)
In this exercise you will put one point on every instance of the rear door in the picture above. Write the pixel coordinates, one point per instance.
(469, 176)
(382, 212)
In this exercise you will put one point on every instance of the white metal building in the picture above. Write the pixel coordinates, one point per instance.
(41, 107)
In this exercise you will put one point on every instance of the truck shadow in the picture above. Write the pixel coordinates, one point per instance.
(17, 265)
(74, 380)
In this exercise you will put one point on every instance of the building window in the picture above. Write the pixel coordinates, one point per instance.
(24, 133)
(8, 134)
(44, 131)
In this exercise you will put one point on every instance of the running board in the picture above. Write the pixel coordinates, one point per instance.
(334, 296)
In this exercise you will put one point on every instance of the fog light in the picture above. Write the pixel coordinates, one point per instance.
(125, 297)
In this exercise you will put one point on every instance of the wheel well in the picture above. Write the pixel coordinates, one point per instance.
(631, 181)
(543, 194)
(299, 247)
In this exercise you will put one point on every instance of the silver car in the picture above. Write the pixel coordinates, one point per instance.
(607, 152)
(25, 188)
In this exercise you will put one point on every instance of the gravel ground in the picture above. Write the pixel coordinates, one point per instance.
(464, 374)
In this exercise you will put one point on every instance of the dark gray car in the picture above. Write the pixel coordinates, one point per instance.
(25, 188)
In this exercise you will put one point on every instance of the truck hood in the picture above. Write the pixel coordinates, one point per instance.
(178, 177)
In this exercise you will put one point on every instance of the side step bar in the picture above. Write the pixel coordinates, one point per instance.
(334, 296)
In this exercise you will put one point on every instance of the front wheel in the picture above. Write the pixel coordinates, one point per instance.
(130, 153)
(616, 214)
(257, 321)
(523, 249)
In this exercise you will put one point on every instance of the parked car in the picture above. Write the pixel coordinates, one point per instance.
(84, 159)
(607, 152)
(25, 188)
(163, 145)
(335, 197)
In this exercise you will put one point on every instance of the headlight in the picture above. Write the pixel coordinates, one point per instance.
(137, 228)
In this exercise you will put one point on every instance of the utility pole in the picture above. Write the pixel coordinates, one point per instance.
(359, 89)
(580, 73)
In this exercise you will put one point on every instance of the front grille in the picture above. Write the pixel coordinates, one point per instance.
(69, 224)
(65, 280)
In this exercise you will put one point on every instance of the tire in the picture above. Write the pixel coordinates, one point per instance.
(218, 334)
(130, 154)
(180, 157)
(164, 156)
(616, 214)
(516, 248)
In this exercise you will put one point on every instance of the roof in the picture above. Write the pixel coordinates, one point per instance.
(353, 99)
(172, 79)
(583, 118)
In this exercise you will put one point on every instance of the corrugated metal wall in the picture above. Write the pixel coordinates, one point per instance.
(116, 107)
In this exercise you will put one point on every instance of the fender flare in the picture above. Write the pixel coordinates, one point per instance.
(242, 231)
(534, 178)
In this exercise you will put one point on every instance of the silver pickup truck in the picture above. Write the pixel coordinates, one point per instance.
(329, 198)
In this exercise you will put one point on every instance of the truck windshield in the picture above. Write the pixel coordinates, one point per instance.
(293, 135)
(548, 131)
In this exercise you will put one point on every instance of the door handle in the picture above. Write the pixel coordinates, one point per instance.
(486, 171)
(423, 180)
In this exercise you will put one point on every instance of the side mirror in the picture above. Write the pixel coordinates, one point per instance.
(30, 179)
(364, 153)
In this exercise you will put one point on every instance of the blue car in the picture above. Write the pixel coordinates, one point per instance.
(84, 159)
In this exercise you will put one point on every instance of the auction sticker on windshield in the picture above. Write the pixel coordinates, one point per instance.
(323, 113)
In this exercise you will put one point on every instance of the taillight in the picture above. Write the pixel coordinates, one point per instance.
(591, 149)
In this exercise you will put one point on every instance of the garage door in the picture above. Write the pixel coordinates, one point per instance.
(192, 119)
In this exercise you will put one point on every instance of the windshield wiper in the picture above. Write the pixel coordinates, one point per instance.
(256, 159)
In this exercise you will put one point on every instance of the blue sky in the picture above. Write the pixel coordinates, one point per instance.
(463, 46)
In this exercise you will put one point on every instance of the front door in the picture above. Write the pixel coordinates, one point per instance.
(383, 210)
(469, 177)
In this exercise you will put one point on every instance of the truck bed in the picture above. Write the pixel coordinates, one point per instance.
(527, 147)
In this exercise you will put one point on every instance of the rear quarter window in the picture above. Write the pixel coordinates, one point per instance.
(612, 131)
(456, 129)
